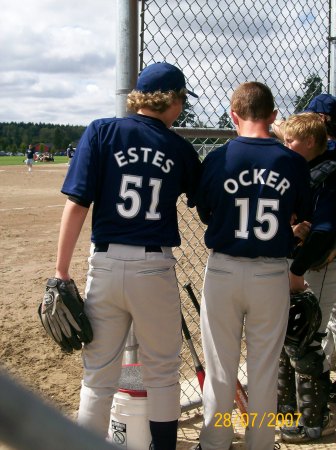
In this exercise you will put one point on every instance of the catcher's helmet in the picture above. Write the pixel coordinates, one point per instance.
(303, 322)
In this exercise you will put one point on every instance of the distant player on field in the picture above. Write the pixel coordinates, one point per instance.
(133, 170)
(30, 157)
(248, 193)
(70, 153)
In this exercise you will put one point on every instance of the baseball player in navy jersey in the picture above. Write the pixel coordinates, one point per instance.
(133, 170)
(30, 157)
(304, 382)
(248, 193)
(325, 106)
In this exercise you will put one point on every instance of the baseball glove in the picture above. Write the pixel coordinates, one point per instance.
(62, 315)
(303, 323)
(321, 172)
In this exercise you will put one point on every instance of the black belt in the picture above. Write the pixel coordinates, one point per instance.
(148, 248)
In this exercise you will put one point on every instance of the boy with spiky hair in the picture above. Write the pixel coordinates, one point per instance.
(248, 193)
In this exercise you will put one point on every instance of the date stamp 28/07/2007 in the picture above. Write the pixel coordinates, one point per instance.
(251, 420)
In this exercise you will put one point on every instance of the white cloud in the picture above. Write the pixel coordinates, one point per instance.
(58, 56)
(57, 60)
(221, 44)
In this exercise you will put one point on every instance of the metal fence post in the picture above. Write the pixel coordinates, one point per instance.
(332, 40)
(127, 52)
(126, 75)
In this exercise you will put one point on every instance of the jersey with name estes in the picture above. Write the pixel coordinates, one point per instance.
(133, 169)
(248, 192)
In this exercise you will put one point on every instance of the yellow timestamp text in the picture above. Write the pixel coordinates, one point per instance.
(257, 420)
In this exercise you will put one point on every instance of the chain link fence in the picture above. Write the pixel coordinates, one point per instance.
(218, 45)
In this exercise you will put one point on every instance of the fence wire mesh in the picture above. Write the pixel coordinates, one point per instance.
(218, 45)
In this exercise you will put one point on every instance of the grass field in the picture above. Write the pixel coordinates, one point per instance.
(18, 160)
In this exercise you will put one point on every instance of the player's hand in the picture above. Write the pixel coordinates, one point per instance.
(297, 283)
(62, 275)
(62, 315)
(278, 128)
(301, 230)
(293, 219)
(332, 256)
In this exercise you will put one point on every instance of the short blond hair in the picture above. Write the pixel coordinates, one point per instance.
(252, 101)
(157, 101)
(305, 125)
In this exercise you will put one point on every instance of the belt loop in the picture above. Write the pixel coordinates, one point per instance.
(101, 247)
(104, 247)
(153, 249)
(167, 251)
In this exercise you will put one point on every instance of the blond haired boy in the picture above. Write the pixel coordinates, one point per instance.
(304, 383)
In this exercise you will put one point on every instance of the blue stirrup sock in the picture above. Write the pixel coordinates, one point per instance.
(164, 435)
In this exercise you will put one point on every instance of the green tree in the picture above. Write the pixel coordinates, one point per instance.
(199, 124)
(16, 136)
(225, 121)
(312, 86)
(187, 117)
(58, 138)
(46, 134)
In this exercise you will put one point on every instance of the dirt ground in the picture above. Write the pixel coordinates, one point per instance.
(30, 210)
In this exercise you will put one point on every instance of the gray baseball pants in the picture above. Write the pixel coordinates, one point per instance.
(239, 291)
(127, 284)
(323, 284)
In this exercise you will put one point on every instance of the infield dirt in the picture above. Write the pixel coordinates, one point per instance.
(30, 208)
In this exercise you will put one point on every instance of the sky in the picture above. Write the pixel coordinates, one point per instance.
(222, 44)
(58, 57)
(57, 60)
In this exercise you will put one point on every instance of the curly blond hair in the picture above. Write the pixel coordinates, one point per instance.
(156, 101)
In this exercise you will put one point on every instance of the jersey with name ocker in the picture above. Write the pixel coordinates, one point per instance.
(249, 189)
(133, 169)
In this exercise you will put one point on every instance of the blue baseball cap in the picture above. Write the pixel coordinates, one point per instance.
(323, 104)
(162, 77)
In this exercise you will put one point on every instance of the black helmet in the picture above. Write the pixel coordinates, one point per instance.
(303, 323)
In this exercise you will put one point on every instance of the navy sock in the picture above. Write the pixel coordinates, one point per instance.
(164, 435)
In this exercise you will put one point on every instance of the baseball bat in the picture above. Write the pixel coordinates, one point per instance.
(197, 363)
(192, 297)
(241, 398)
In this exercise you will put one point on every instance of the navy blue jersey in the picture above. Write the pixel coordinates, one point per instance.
(30, 153)
(324, 195)
(133, 170)
(331, 145)
(315, 249)
(248, 192)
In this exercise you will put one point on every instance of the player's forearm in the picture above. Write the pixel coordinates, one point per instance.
(314, 251)
(71, 224)
(296, 283)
